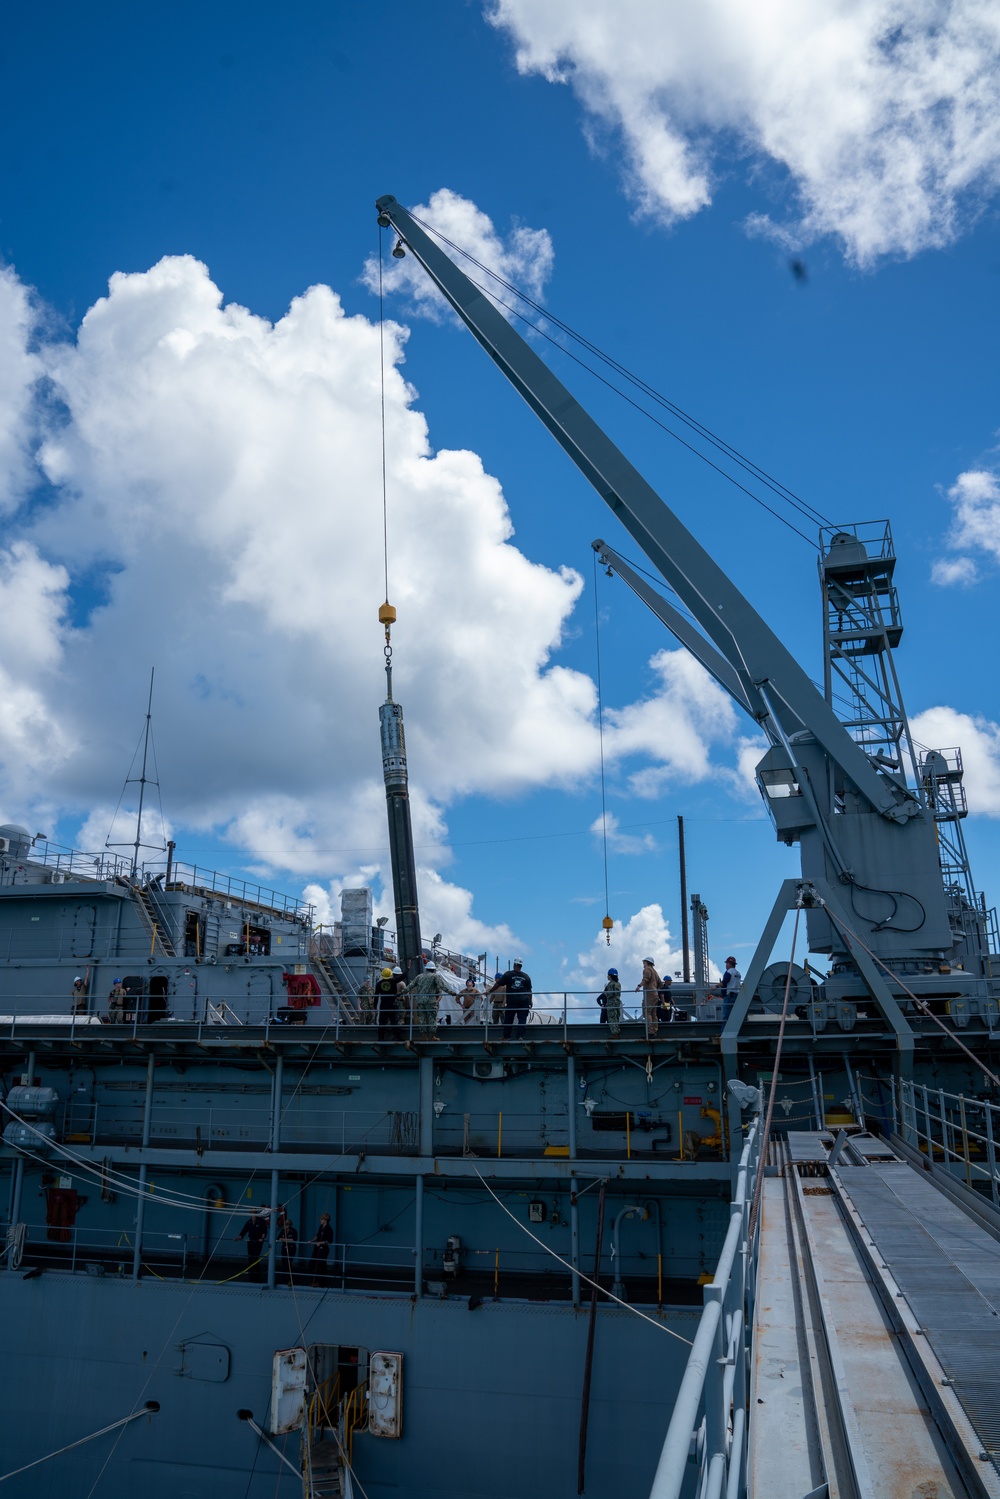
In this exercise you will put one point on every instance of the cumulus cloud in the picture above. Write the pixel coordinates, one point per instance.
(646, 934)
(979, 740)
(34, 743)
(608, 827)
(674, 727)
(214, 510)
(523, 257)
(975, 527)
(883, 116)
(20, 369)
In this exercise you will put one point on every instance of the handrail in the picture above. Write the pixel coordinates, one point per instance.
(714, 1379)
(354, 1416)
(943, 1132)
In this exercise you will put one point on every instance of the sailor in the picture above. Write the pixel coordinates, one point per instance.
(366, 1002)
(516, 986)
(402, 997)
(79, 993)
(322, 1239)
(425, 992)
(116, 1003)
(497, 996)
(610, 1002)
(650, 986)
(288, 1241)
(254, 1231)
(732, 983)
(385, 992)
(664, 1001)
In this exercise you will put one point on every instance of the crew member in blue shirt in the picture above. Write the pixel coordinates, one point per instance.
(517, 987)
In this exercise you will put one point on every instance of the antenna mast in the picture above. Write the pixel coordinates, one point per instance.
(142, 781)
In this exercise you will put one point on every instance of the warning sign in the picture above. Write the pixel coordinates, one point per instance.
(692, 1100)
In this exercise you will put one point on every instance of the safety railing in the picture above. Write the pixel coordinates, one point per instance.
(710, 1411)
(956, 1133)
(553, 1016)
(694, 1130)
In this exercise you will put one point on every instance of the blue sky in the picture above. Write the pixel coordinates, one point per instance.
(256, 144)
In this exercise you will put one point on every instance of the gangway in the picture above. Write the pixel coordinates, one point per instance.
(876, 1346)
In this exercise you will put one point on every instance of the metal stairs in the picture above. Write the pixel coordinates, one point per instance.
(327, 974)
(322, 1475)
(159, 938)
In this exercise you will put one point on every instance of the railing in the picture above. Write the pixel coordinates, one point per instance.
(500, 1271)
(956, 1133)
(309, 1123)
(240, 892)
(553, 1016)
(714, 1386)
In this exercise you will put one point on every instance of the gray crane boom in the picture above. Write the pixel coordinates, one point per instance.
(682, 629)
(768, 673)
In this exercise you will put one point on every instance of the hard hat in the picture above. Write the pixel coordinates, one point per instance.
(518, 962)
(78, 979)
(396, 970)
(650, 962)
(431, 968)
(612, 973)
(387, 973)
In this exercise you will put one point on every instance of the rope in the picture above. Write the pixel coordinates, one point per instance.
(762, 1159)
(920, 1003)
(660, 1326)
(600, 729)
(146, 1411)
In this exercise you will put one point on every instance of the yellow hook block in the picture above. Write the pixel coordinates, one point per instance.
(386, 614)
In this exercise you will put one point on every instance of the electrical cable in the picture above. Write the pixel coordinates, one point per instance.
(661, 1327)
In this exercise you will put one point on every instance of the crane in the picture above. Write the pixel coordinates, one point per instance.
(893, 917)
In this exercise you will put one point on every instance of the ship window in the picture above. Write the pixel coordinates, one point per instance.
(779, 783)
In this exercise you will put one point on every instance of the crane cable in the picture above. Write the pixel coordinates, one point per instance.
(780, 490)
(607, 923)
(386, 613)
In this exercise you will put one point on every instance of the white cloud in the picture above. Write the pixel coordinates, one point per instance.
(883, 115)
(19, 372)
(979, 740)
(643, 935)
(34, 743)
(674, 727)
(524, 257)
(216, 512)
(609, 826)
(975, 527)
(951, 570)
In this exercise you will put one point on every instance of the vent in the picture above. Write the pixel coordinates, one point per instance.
(491, 1069)
(606, 1119)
